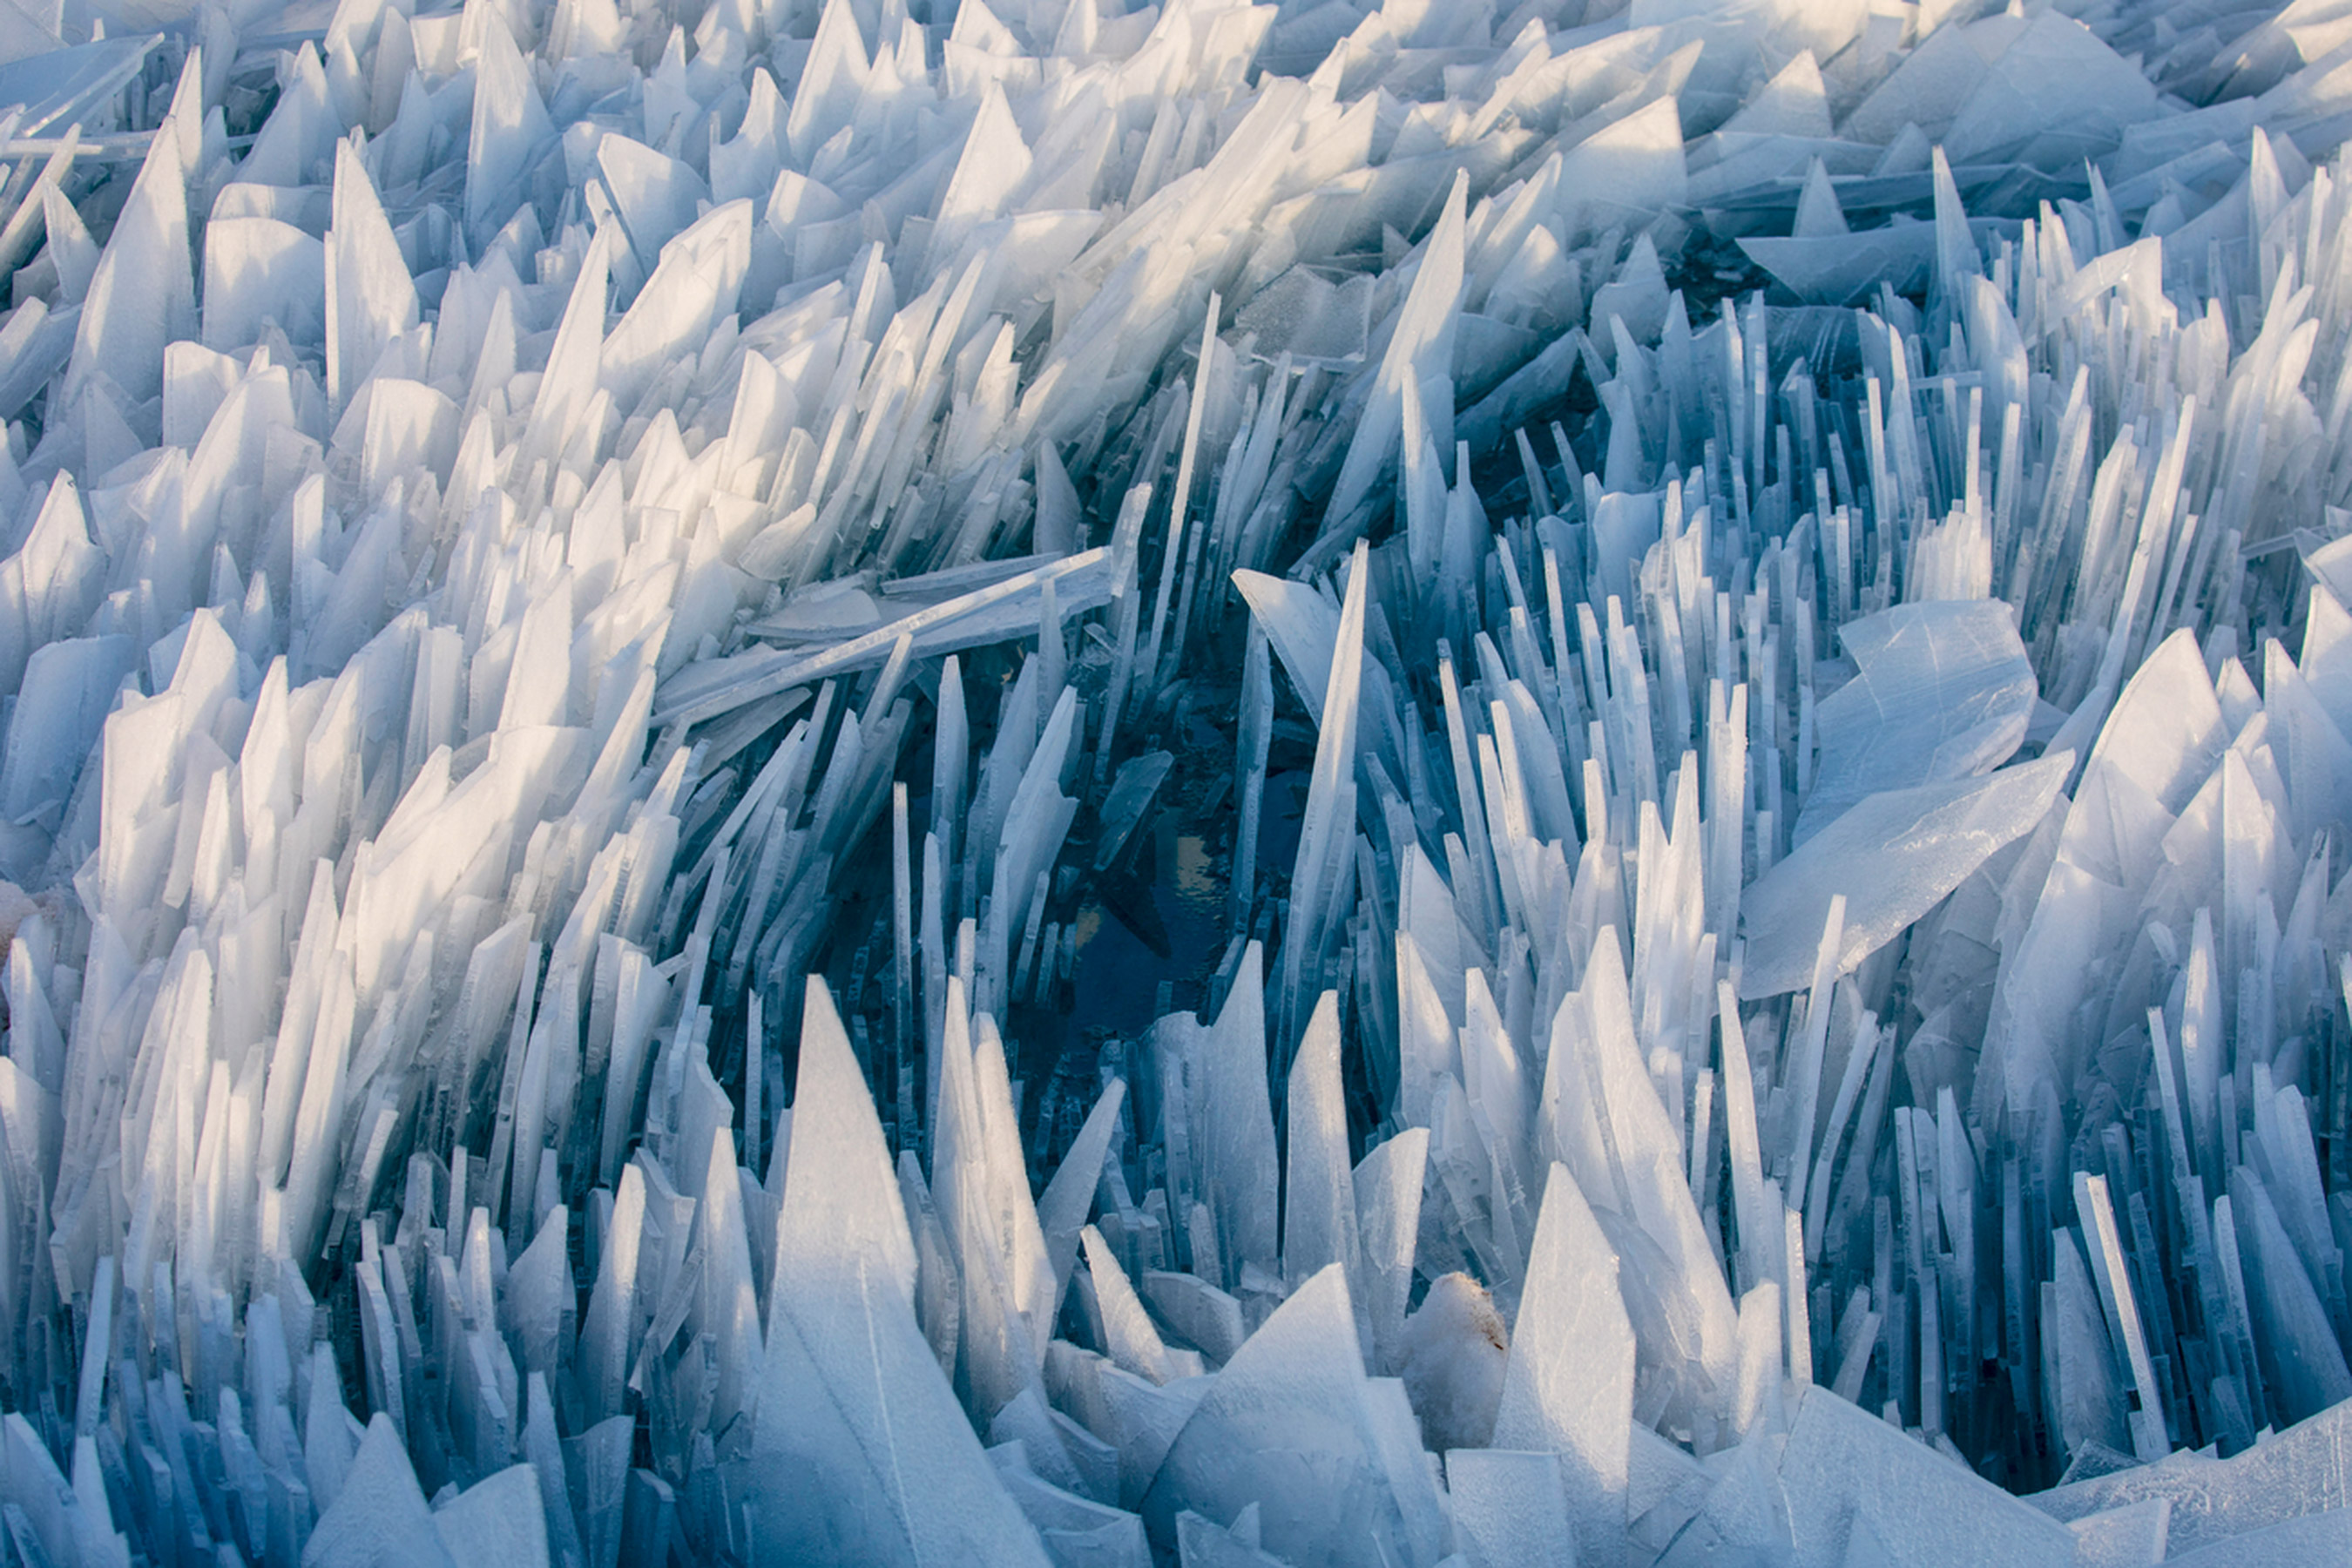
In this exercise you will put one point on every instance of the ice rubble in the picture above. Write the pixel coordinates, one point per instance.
(600, 602)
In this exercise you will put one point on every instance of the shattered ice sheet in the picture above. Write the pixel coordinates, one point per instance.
(614, 621)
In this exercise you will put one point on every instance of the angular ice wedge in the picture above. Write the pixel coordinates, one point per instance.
(1072, 1529)
(1131, 797)
(143, 294)
(1205, 1316)
(653, 196)
(378, 1517)
(1616, 1137)
(1743, 1515)
(1289, 1426)
(1943, 691)
(68, 688)
(861, 1447)
(1063, 1206)
(259, 273)
(1893, 856)
(1128, 1331)
(1201, 1544)
(981, 1191)
(495, 1520)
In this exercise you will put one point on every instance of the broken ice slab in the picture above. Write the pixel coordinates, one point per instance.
(1318, 1222)
(862, 1448)
(997, 612)
(1309, 317)
(1742, 1515)
(1838, 269)
(1893, 856)
(1844, 1469)
(1220, 1071)
(57, 87)
(2056, 85)
(1128, 1331)
(2305, 1469)
(68, 688)
(34, 343)
(1388, 1218)
(1130, 796)
(258, 272)
(655, 197)
(1848, 268)
(1664, 1487)
(1943, 691)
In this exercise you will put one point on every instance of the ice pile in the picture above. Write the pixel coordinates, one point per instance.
(605, 607)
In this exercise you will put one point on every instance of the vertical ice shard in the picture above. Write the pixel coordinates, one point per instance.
(860, 1449)
(371, 298)
(1319, 1226)
(511, 128)
(1234, 1116)
(981, 1188)
(495, 1520)
(1613, 1135)
(1419, 351)
(1570, 1387)
(1387, 1183)
(143, 294)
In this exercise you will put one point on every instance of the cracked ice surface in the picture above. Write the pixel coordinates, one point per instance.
(902, 781)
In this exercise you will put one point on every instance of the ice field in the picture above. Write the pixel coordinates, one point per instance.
(1323, 783)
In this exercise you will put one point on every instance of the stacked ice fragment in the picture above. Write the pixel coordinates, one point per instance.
(602, 606)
